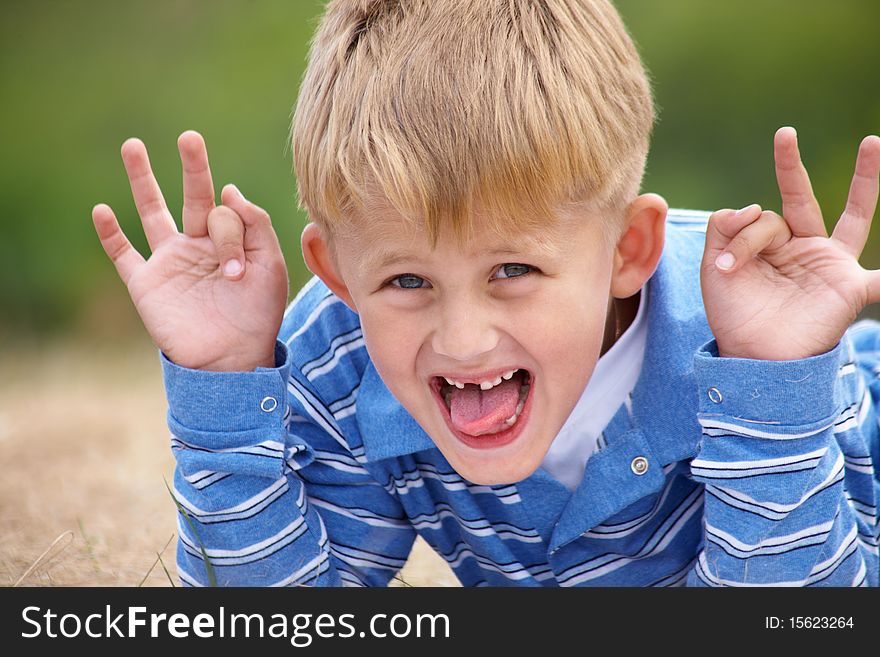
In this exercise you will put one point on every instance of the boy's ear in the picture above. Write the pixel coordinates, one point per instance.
(639, 248)
(316, 253)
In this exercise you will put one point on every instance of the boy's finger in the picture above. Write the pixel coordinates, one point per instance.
(157, 221)
(725, 224)
(769, 232)
(198, 188)
(124, 256)
(227, 232)
(799, 205)
(855, 223)
(260, 234)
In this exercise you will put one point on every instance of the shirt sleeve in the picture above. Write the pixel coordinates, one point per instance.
(246, 516)
(788, 457)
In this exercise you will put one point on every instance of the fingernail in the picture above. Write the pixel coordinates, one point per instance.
(742, 211)
(232, 268)
(236, 190)
(725, 261)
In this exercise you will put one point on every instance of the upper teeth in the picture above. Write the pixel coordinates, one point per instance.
(484, 385)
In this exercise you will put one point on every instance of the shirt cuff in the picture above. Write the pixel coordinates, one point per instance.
(787, 392)
(227, 401)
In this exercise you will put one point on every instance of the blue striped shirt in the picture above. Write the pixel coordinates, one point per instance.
(758, 472)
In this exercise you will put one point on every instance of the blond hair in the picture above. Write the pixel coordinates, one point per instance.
(509, 108)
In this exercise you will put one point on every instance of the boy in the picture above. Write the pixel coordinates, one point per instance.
(505, 348)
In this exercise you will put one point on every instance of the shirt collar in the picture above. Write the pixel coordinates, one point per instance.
(664, 401)
(387, 429)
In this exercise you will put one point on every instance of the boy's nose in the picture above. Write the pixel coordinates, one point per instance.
(464, 335)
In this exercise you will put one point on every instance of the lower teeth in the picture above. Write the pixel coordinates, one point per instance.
(522, 402)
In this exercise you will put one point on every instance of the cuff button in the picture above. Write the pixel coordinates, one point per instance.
(269, 404)
(715, 395)
(639, 465)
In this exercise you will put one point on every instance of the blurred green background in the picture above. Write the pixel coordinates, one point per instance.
(78, 78)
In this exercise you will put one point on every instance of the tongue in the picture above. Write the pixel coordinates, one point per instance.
(476, 411)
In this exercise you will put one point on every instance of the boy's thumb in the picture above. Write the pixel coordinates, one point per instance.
(260, 234)
(226, 230)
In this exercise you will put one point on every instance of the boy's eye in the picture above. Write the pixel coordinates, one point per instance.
(413, 282)
(513, 270)
(407, 281)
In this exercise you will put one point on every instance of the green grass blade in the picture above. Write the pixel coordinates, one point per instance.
(209, 569)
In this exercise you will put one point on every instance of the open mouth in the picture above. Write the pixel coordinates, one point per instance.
(485, 417)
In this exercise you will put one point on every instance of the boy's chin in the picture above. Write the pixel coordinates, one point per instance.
(492, 472)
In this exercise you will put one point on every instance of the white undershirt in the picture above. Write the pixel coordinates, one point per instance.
(614, 377)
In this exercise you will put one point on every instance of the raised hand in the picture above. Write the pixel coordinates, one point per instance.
(213, 296)
(777, 287)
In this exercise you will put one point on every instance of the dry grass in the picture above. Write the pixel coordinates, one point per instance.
(83, 451)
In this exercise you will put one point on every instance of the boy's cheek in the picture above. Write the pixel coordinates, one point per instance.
(398, 343)
(394, 350)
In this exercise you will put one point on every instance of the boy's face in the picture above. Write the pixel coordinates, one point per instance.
(476, 315)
